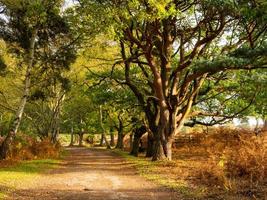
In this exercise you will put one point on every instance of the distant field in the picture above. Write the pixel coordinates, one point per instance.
(64, 138)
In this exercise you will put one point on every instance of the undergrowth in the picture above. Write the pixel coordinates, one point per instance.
(230, 160)
(224, 163)
(28, 158)
(25, 147)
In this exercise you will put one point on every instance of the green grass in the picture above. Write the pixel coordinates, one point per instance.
(25, 171)
(2, 195)
(151, 171)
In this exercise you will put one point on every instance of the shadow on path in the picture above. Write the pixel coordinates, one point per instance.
(92, 174)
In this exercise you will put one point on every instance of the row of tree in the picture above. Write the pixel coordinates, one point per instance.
(131, 66)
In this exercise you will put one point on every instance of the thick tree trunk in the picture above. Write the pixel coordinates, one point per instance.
(138, 133)
(120, 139)
(4, 149)
(164, 138)
(150, 151)
(120, 144)
(170, 123)
(159, 152)
(163, 150)
(135, 149)
(112, 139)
(164, 135)
(151, 129)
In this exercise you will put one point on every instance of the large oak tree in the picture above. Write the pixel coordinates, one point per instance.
(184, 50)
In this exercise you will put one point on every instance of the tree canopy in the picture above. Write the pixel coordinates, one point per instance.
(161, 65)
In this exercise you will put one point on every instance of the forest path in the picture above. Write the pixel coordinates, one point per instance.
(93, 174)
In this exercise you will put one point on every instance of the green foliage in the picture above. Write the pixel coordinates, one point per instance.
(6, 118)
(25, 15)
(257, 53)
(55, 50)
(77, 55)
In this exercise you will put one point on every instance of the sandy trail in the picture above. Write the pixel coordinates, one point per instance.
(95, 175)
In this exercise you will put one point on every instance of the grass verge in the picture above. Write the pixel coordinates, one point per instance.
(153, 171)
(23, 172)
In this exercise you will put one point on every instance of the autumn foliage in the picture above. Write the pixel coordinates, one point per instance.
(232, 159)
(26, 147)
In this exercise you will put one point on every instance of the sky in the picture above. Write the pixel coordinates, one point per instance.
(68, 3)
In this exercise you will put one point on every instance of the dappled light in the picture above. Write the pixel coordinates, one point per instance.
(138, 99)
(96, 174)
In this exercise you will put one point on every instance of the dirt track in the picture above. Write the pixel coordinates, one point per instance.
(92, 174)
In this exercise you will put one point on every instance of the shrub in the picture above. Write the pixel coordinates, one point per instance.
(233, 158)
(25, 147)
(247, 160)
(45, 149)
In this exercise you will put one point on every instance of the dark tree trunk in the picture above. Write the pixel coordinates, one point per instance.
(112, 139)
(4, 149)
(151, 129)
(120, 129)
(81, 139)
(131, 141)
(120, 144)
(135, 149)
(138, 133)
(150, 145)
(264, 128)
(71, 136)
